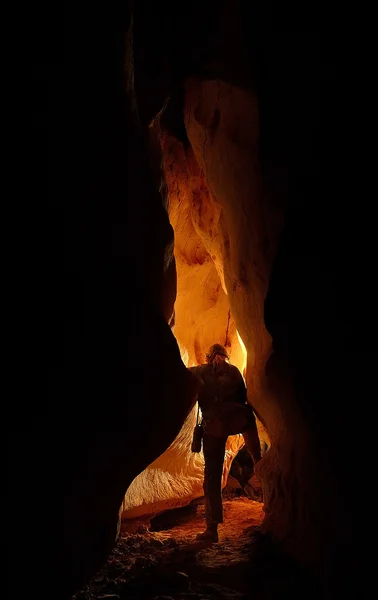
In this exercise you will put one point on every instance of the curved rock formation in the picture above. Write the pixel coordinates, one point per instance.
(108, 312)
(202, 311)
(115, 375)
(175, 478)
(202, 317)
(222, 124)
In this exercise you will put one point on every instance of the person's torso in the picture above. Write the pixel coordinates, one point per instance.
(218, 388)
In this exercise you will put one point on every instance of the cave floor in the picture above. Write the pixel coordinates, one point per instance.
(167, 562)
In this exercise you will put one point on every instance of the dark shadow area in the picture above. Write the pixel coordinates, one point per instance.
(73, 451)
(168, 563)
(242, 467)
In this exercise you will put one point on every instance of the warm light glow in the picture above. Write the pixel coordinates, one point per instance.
(244, 351)
(184, 354)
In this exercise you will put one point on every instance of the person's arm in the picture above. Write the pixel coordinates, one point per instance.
(252, 440)
(251, 436)
(241, 392)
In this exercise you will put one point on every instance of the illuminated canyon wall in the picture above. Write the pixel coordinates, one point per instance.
(202, 317)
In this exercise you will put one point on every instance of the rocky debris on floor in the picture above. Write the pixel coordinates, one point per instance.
(170, 564)
(135, 525)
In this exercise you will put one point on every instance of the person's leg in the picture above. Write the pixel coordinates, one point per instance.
(252, 442)
(213, 450)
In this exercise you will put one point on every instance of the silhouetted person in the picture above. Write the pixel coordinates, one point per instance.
(222, 390)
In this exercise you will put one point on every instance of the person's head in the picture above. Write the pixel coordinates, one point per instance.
(216, 357)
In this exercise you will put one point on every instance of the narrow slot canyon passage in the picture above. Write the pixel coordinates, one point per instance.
(208, 180)
(201, 317)
(157, 555)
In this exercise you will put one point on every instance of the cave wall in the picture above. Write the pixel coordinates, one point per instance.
(320, 307)
(107, 312)
(321, 304)
(202, 306)
(201, 302)
(222, 123)
(202, 311)
(261, 160)
(202, 317)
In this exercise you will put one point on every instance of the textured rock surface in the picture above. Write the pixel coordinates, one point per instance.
(222, 124)
(167, 563)
(202, 317)
(175, 478)
(106, 309)
(202, 310)
(223, 127)
(79, 450)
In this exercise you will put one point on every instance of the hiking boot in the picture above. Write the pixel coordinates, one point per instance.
(210, 535)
